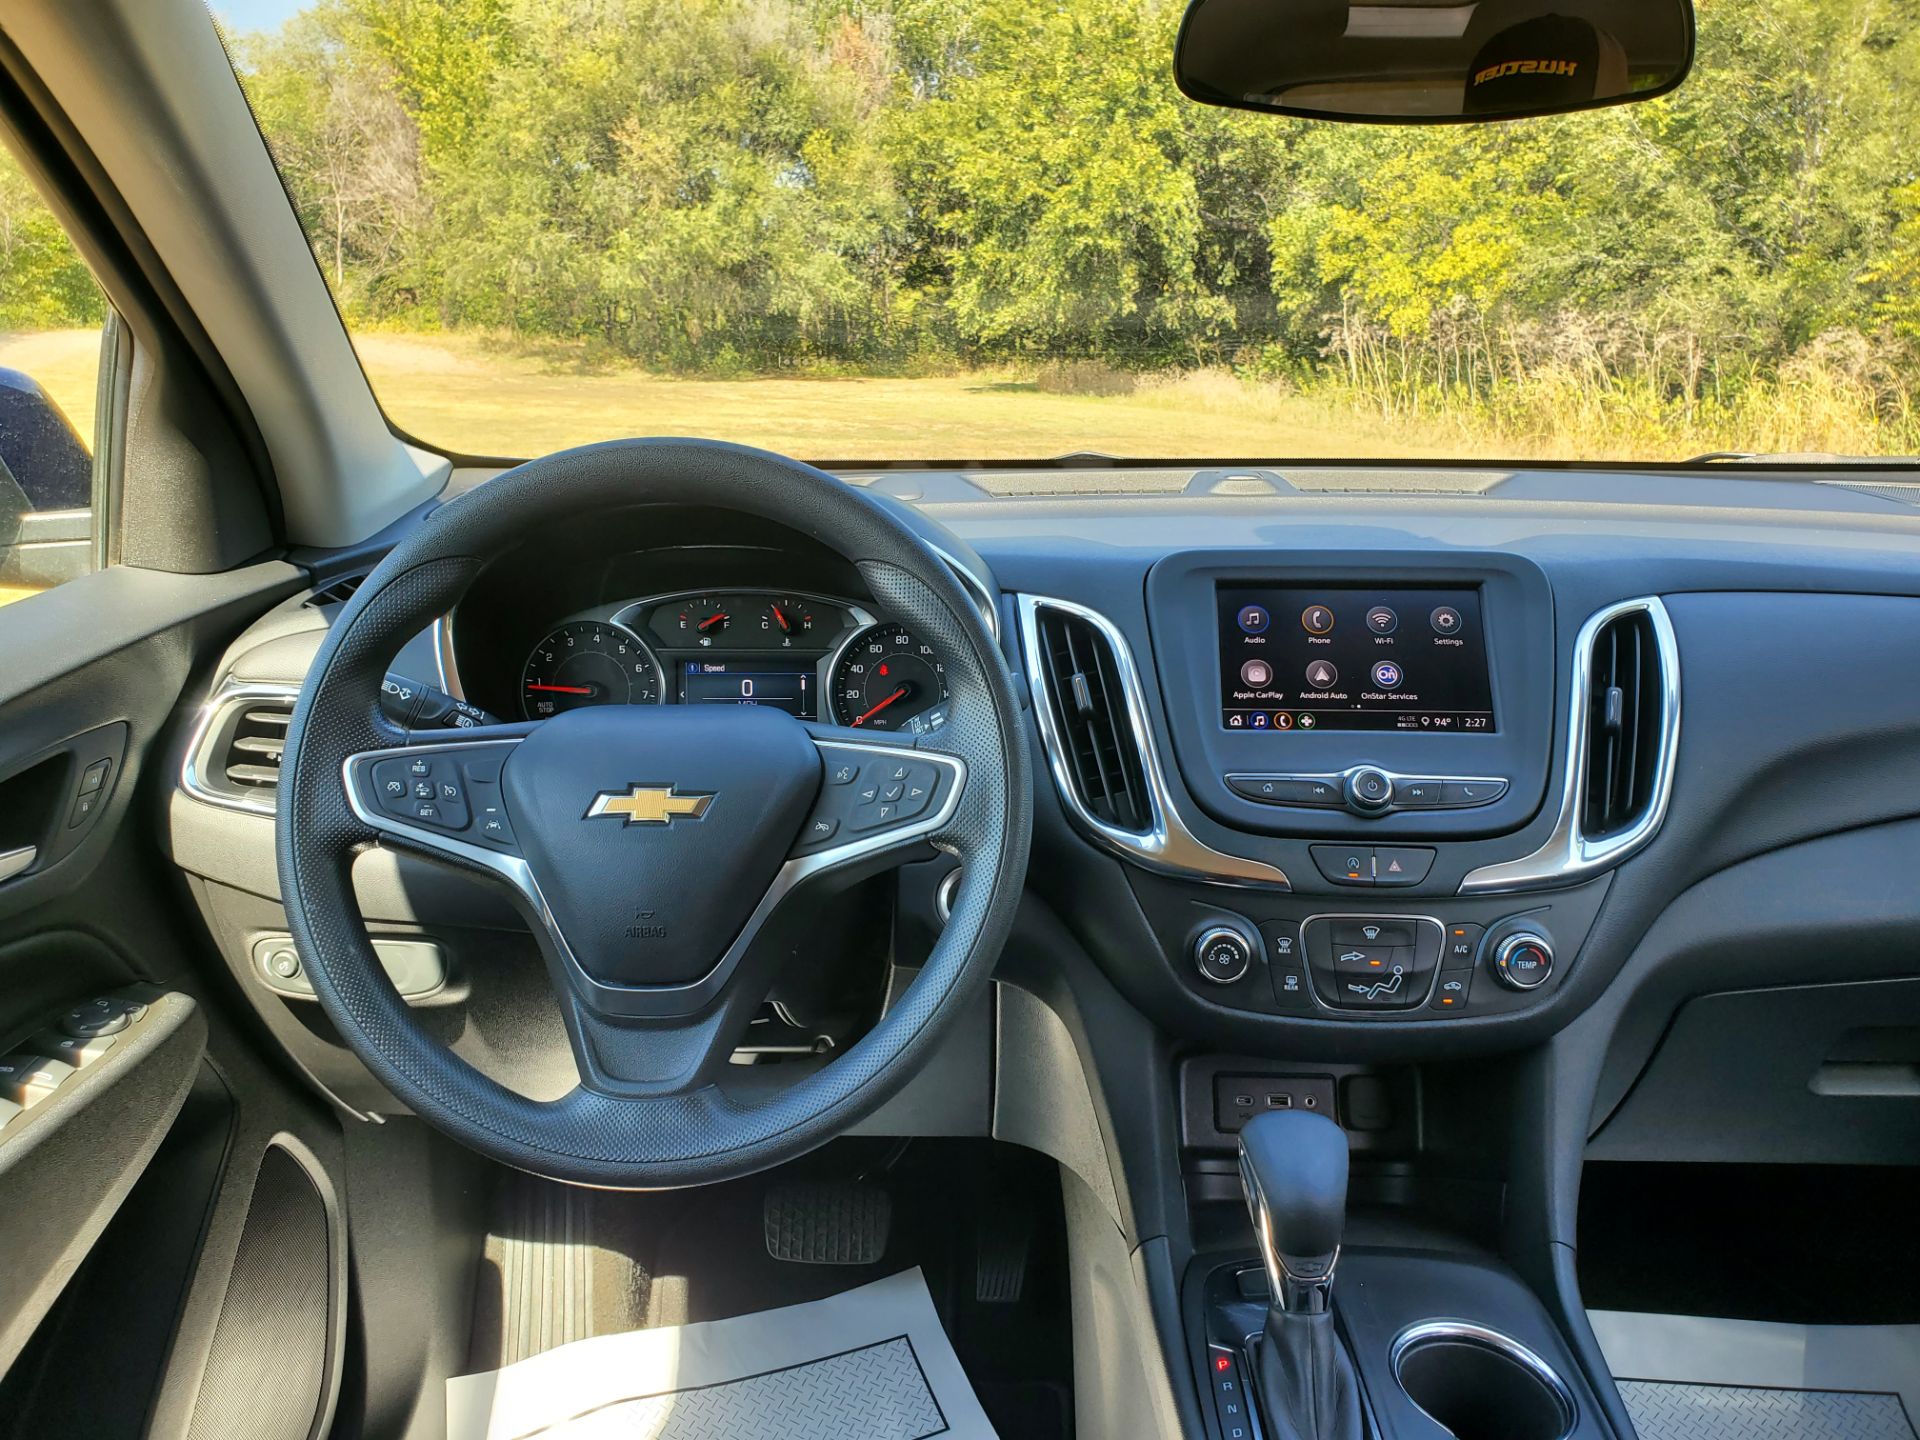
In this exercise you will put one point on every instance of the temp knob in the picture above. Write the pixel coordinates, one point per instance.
(1223, 954)
(1523, 961)
(1369, 790)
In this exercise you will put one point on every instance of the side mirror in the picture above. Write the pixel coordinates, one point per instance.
(39, 449)
(46, 490)
(1431, 63)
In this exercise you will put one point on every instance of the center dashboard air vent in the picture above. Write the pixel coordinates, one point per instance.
(234, 759)
(1624, 695)
(1088, 704)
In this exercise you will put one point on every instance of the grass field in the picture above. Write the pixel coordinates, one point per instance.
(483, 398)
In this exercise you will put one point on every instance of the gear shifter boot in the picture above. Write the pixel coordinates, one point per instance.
(1294, 1168)
(1307, 1386)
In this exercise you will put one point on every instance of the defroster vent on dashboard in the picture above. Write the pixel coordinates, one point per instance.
(1090, 710)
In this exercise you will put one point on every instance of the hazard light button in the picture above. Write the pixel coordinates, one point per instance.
(1400, 864)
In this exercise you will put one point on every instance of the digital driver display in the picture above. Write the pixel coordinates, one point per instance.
(786, 684)
(1332, 657)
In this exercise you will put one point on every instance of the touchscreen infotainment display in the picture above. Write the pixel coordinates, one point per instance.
(1331, 657)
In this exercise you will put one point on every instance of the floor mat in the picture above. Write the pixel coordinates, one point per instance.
(869, 1364)
(1663, 1411)
(1685, 1377)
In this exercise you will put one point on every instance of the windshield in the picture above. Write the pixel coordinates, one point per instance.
(874, 230)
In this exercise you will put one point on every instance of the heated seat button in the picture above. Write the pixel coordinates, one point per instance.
(1345, 864)
(1400, 864)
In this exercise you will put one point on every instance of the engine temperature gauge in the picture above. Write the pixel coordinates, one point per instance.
(785, 619)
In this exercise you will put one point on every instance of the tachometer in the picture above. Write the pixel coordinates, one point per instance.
(889, 679)
(587, 662)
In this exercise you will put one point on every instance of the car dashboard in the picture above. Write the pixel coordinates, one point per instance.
(1354, 777)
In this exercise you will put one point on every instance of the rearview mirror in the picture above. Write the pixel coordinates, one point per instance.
(1431, 61)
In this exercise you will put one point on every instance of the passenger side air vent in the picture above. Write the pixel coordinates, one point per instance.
(253, 750)
(337, 592)
(1623, 724)
(1089, 706)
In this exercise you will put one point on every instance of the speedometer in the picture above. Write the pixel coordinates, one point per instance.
(587, 662)
(889, 679)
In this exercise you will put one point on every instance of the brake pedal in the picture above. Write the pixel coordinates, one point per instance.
(827, 1222)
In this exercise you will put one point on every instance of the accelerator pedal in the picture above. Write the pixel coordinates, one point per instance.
(827, 1222)
(1000, 1255)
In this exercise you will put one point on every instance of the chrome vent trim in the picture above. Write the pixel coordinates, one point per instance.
(208, 772)
(1569, 853)
(1165, 843)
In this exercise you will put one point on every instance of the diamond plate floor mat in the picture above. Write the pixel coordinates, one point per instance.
(869, 1364)
(1685, 1377)
(1665, 1411)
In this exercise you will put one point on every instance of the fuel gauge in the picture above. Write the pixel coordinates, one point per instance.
(703, 619)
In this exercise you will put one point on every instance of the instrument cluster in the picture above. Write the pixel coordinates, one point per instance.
(817, 657)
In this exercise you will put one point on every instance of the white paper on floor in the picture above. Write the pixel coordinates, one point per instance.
(871, 1364)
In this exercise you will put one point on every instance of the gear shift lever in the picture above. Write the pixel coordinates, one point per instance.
(1293, 1166)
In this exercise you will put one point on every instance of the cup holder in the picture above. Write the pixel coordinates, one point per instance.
(1478, 1384)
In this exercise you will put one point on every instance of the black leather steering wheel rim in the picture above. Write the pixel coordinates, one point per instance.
(701, 1134)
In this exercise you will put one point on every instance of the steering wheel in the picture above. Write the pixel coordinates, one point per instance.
(647, 846)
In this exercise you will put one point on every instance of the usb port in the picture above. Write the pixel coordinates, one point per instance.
(1280, 1102)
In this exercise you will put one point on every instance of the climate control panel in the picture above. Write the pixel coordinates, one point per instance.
(1368, 959)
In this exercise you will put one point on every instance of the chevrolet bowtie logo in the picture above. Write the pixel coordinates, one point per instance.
(648, 805)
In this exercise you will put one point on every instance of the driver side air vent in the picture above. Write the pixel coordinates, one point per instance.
(255, 746)
(1623, 720)
(234, 757)
(1090, 710)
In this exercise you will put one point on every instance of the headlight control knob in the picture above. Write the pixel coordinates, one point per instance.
(1223, 954)
(1523, 961)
